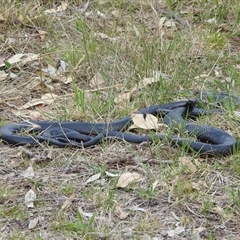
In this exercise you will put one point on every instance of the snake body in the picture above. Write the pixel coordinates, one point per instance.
(210, 140)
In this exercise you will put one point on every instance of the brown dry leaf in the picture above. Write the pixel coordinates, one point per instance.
(93, 178)
(32, 114)
(50, 70)
(237, 113)
(104, 36)
(95, 15)
(33, 222)
(2, 59)
(20, 18)
(97, 81)
(219, 211)
(161, 22)
(149, 81)
(68, 202)
(212, 21)
(125, 96)
(156, 76)
(146, 81)
(2, 18)
(126, 178)
(84, 8)
(201, 76)
(199, 185)
(109, 174)
(154, 185)
(42, 33)
(121, 214)
(22, 58)
(122, 97)
(186, 161)
(142, 121)
(116, 13)
(60, 8)
(178, 230)
(57, 71)
(46, 99)
(29, 172)
(30, 197)
(3, 75)
(86, 214)
(68, 79)
(170, 24)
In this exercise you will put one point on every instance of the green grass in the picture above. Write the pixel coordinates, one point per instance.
(124, 44)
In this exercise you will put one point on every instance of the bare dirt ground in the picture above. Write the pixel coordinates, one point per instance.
(98, 61)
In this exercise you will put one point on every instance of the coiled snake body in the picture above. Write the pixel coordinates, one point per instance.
(210, 140)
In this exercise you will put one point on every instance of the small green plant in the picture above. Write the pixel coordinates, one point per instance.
(81, 226)
(79, 98)
(235, 196)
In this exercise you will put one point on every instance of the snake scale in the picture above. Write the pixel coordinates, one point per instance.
(209, 140)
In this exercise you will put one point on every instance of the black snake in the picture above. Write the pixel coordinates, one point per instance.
(210, 140)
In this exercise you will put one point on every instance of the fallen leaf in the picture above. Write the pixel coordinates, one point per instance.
(121, 214)
(84, 8)
(61, 67)
(2, 59)
(86, 214)
(237, 113)
(93, 178)
(176, 231)
(97, 81)
(20, 18)
(33, 222)
(219, 211)
(22, 58)
(202, 76)
(196, 232)
(68, 79)
(12, 75)
(31, 114)
(104, 36)
(122, 97)
(154, 185)
(60, 8)
(101, 15)
(2, 18)
(136, 208)
(199, 185)
(186, 161)
(52, 71)
(126, 178)
(30, 197)
(29, 172)
(67, 203)
(144, 121)
(149, 81)
(3, 75)
(212, 21)
(116, 13)
(126, 96)
(46, 99)
(109, 174)
(161, 22)
(42, 33)
(170, 24)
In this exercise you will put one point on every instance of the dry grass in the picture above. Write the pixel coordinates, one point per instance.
(180, 194)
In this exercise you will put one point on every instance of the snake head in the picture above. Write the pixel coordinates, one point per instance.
(190, 105)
